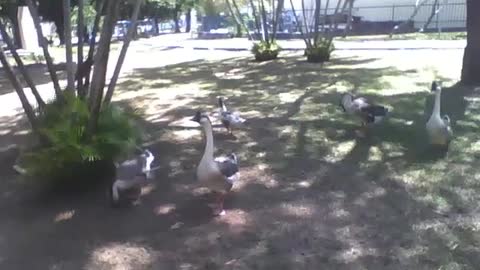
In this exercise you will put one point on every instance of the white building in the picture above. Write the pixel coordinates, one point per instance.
(451, 15)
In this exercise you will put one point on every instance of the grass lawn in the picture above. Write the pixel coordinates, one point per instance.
(312, 194)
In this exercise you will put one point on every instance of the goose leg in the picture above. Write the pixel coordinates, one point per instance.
(362, 131)
(219, 211)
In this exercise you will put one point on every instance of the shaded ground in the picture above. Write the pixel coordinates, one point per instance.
(312, 195)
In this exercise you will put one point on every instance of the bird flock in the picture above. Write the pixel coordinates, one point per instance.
(219, 174)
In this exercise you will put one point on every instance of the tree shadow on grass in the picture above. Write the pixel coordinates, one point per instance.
(312, 194)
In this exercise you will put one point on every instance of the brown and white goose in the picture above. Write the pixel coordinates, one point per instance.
(130, 176)
(217, 174)
(367, 112)
(228, 118)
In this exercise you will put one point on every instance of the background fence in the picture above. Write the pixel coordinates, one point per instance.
(382, 19)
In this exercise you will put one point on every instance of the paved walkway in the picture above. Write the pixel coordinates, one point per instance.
(243, 44)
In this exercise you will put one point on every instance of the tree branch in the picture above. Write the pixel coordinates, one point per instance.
(43, 43)
(21, 66)
(123, 52)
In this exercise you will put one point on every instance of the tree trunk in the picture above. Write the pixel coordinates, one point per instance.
(188, 20)
(100, 65)
(155, 27)
(123, 52)
(305, 39)
(235, 10)
(318, 6)
(80, 36)
(435, 10)
(12, 11)
(348, 28)
(59, 23)
(263, 13)
(91, 50)
(68, 45)
(471, 58)
(278, 14)
(43, 43)
(21, 94)
(175, 17)
(255, 15)
(23, 70)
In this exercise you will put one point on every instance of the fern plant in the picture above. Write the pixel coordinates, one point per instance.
(70, 148)
(265, 51)
(321, 52)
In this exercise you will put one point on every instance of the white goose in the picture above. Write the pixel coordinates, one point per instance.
(217, 174)
(229, 119)
(438, 127)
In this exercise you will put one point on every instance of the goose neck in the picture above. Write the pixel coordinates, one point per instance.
(209, 147)
(436, 105)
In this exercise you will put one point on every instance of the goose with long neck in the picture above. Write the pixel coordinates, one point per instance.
(217, 174)
(229, 119)
(438, 127)
(366, 111)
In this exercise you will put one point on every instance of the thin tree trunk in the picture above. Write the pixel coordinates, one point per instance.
(327, 5)
(237, 10)
(307, 29)
(263, 14)
(188, 20)
(155, 27)
(23, 70)
(175, 16)
(255, 17)
(80, 35)
(278, 13)
(21, 94)
(471, 58)
(92, 42)
(67, 25)
(435, 10)
(318, 6)
(100, 66)
(418, 5)
(123, 52)
(307, 45)
(235, 18)
(12, 11)
(335, 22)
(43, 43)
(348, 28)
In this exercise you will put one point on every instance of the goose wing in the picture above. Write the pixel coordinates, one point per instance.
(232, 117)
(228, 166)
(374, 113)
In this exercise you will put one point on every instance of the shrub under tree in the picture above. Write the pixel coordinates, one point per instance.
(79, 128)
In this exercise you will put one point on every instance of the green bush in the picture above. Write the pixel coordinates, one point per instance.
(70, 152)
(321, 53)
(264, 51)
